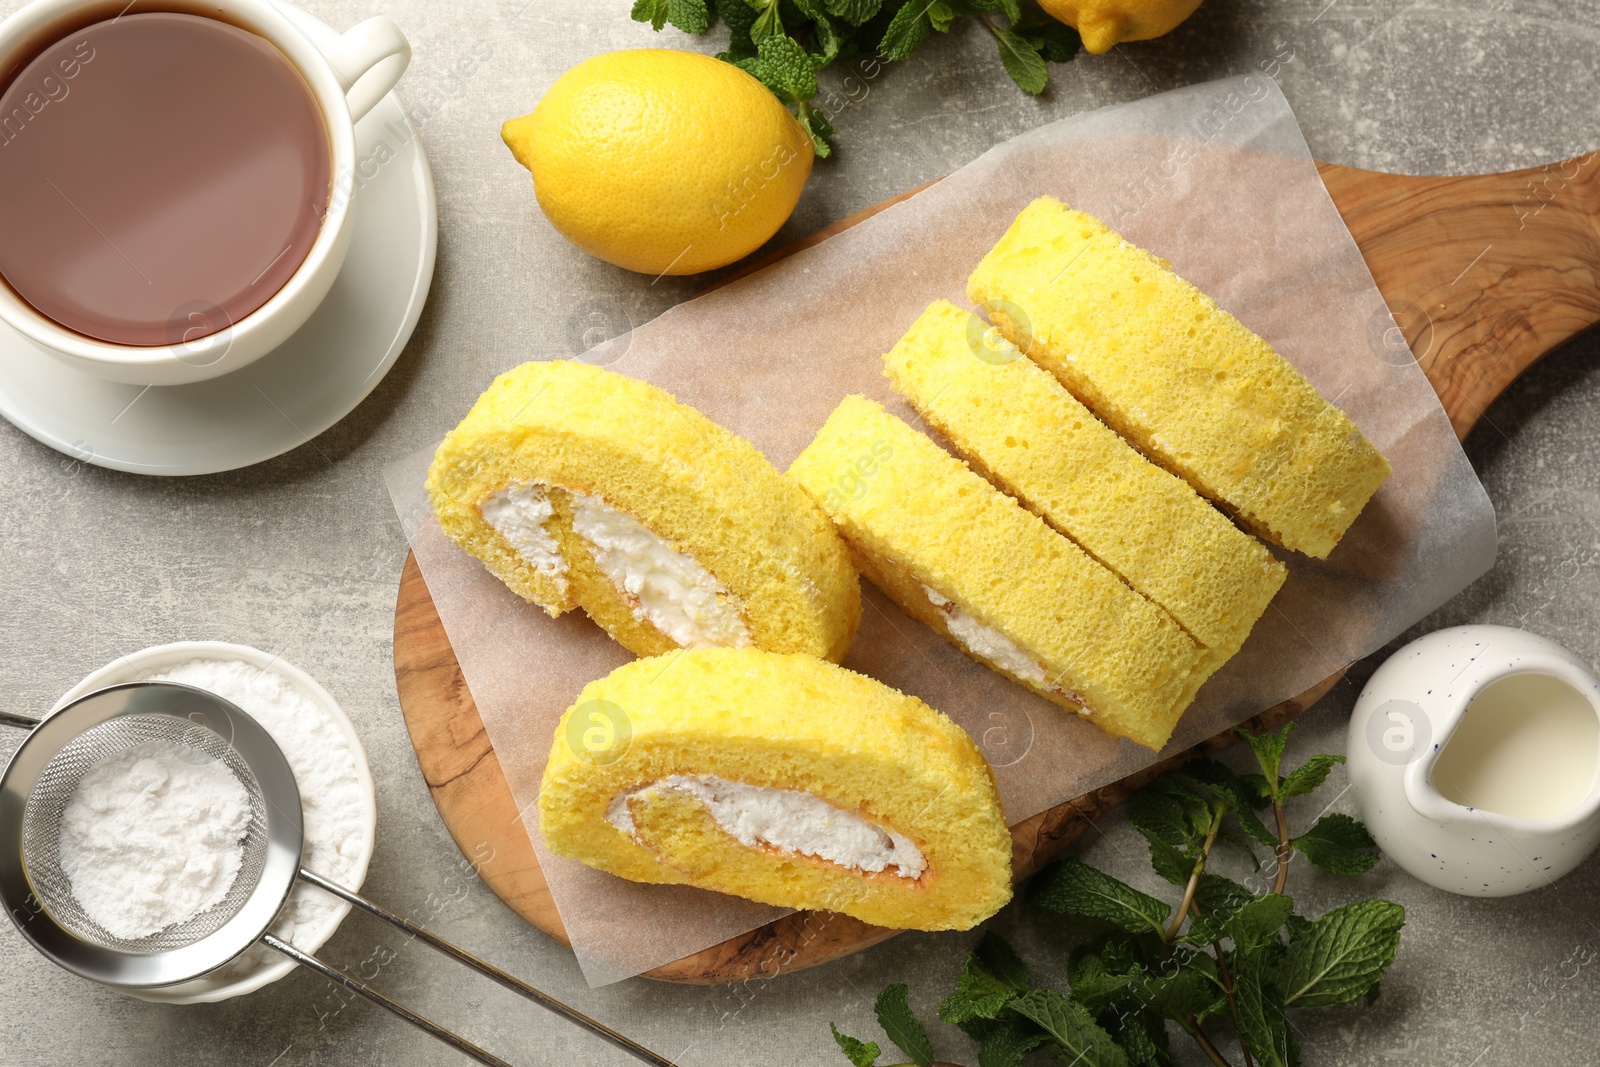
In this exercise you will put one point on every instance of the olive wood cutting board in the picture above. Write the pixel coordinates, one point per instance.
(1484, 274)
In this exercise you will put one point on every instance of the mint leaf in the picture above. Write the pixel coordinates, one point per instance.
(1220, 897)
(1012, 9)
(1268, 749)
(740, 17)
(1262, 1026)
(941, 16)
(1206, 930)
(1022, 62)
(1056, 41)
(1340, 957)
(1078, 1038)
(1339, 844)
(1257, 785)
(652, 11)
(860, 1053)
(1172, 819)
(1166, 811)
(690, 16)
(1232, 838)
(1072, 887)
(785, 68)
(1308, 776)
(905, 31)
(855, 12)
(1170, 863)
(894, 1015)
(829, 42)
(1219, 778)
(1093, 981)
(1258, 922)
(993, 977)
(1192, 989)
(1004, 963)
(1142, 1034)
(767, 23)
(978, 995)
(817, 127)
(1003, 1042)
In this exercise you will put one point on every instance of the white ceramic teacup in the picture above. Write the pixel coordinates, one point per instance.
(347, 77)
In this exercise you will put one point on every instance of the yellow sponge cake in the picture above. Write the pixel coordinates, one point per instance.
(1015, 423)
(1179, 377)
(962, 557)
(577, 486)
(782, 779)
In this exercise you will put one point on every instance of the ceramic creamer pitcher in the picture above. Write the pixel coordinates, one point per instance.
(1474, 753)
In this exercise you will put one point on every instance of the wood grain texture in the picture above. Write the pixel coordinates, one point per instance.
(1485, 274)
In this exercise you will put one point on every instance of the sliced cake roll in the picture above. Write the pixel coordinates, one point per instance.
(580, 487)
(783, 779)
(1015, 423)
(1178, 376)
(959, 555)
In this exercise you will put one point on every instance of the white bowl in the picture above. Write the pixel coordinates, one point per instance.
(132, 668)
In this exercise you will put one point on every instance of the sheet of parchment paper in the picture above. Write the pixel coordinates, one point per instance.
(1215, 178)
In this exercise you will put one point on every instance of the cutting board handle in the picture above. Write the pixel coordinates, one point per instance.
(1484, 273)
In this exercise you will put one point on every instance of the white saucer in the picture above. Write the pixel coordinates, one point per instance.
(290, 395)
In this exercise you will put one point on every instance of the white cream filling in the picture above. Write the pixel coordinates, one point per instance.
(994, 647)
(988, 643)
(518, 513)
(666, 588)
(786, 819)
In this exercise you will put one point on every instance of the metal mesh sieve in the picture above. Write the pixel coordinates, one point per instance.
(54, 789)
(38, 784)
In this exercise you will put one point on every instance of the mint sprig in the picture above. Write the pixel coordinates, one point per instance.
(766, 38)
(1225, 957)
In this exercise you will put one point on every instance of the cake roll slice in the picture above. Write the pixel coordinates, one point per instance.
(581, 487)
(1014, 423)
(783, 779)
(1179, 377)
(962, 557)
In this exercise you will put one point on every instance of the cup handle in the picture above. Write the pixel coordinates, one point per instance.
(369, 59)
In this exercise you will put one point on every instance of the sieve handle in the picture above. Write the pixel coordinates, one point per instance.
(333, 974)
(21, 722)
(489, 970)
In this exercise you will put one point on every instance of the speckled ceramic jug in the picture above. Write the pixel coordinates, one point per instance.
(1527, 810)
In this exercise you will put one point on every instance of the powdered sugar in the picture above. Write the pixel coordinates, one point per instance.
(152, 837)
(332, 799)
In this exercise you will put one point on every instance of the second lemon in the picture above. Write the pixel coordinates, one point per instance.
(662, 162)
(1105, 23)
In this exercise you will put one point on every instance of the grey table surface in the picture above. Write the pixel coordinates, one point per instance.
(300, 555)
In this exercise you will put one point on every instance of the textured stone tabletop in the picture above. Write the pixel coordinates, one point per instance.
(301, 555)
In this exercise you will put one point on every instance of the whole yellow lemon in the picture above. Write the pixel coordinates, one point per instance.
(662, 162)
(1103, 23)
